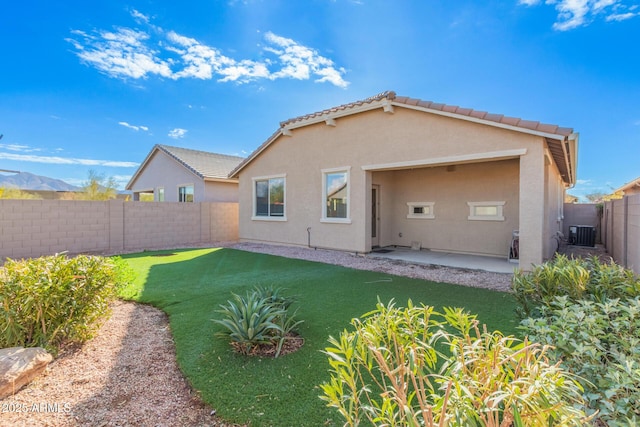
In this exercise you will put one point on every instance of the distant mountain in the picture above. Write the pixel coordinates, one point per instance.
(29, 181)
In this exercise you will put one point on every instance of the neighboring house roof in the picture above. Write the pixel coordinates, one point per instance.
(628, 186)
(557, 137)
(206, 165)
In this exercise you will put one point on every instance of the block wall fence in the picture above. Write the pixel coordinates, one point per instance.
(32, 228)
(621, 231)
(618, 226)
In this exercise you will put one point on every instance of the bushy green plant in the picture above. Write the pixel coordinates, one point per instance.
(580, 278)
(600, 342)
(416, 367)
(261, 317)
(51, 300)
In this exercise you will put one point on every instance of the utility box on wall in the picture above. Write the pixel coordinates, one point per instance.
(582, 235)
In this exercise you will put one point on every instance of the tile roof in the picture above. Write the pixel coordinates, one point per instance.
(429, 105)
(556, 135)
(203, 163)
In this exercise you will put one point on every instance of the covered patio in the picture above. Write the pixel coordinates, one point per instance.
(448, 259)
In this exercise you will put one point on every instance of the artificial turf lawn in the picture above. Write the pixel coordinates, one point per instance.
(189, 285)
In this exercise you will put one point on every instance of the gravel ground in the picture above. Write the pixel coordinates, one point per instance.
(475, 278)
(128, 376)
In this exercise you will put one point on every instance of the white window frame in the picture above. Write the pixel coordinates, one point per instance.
(194, 192)
(159, 192)
(475, 216)
(324, 218)
(255, 217)
(427, 207)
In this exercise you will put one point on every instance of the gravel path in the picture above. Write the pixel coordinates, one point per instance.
(128, 376)
(435, 273)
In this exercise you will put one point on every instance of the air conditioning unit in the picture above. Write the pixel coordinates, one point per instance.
(582, 235)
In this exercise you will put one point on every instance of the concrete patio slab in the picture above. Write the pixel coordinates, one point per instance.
(427, 257)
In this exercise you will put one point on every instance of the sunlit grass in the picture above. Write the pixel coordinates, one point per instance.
(189, 285)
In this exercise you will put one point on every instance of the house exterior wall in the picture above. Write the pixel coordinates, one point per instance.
(163, 171)
(219, 191)
(554, 211)
(376, 138)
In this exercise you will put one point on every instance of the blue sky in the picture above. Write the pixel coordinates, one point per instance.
(94, 85)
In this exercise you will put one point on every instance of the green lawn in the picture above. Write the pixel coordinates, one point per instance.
(189, 285)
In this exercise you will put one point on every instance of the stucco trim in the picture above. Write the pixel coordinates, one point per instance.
(465, 158)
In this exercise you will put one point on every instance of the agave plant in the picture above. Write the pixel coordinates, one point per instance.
(250, 321)
(259, 318)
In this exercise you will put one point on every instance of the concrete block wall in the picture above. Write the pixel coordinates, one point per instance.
(161, 225)
(621, 225)
(223, 226)
(32, 228)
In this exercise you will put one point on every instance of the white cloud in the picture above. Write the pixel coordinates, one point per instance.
(121, 54)
(299, 62)
(577, 13)
(136, 128)
(19, 148)
(66, 160)
(140, 17)
(621, 16)
(127, 53)
(177, 133)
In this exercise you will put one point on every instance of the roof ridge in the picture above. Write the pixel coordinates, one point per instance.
(388, 94)
(164, 146)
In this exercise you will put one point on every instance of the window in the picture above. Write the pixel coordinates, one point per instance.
(185, 193)
(485, 211)
(269, 198)
(335, 195)
(160, 194)
(420, 210)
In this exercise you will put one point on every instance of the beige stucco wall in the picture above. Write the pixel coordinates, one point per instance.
(32, 228)
(163, 171)
(376, 137)
(450, 188)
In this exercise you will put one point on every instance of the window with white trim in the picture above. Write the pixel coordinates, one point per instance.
(269, 198)
(335, 195)
(486, 211)
(420, 210)
(185, 193)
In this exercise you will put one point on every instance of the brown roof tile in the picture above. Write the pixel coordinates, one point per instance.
(428, 105)
(512, 121)
(203, 163)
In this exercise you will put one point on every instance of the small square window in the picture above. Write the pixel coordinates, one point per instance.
(420, 210)
(486, 211)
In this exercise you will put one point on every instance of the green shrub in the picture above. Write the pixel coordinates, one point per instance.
(261, 318)
(599, 342)
(576, 279)
(417, 367)
(51, 300)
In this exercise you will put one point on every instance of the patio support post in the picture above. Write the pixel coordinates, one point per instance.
(367, 211)
(532, 207)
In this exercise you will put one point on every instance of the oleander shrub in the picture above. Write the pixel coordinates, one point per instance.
(259, 323)
(576, 279)
(52, 300)
(416, 367)
(600, 343)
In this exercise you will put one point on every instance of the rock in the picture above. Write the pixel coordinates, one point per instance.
(19, 366)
